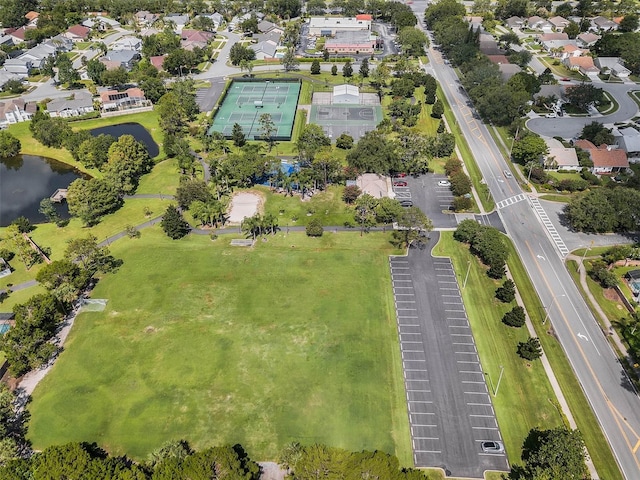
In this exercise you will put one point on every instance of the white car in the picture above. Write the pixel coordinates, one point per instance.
(492, 447)
(507, 173)
(444, 183)
(551, 115)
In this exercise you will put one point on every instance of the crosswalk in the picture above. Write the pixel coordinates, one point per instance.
(548, 224)
(511, 200)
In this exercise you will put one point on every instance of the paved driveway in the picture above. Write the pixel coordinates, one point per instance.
(449, 405)
(433, 200)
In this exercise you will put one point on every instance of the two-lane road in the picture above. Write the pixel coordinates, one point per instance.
(610, 394)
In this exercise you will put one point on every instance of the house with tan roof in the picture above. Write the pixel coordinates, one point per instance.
(32, 18)
(606, 159)
(559, 23)
(562, 158)
(584, 65)
(514, 22)
(546, 37)
(539, 23)
(587, 39)
(603, 24)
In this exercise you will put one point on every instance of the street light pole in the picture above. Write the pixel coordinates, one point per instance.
(547, 309)
(585, 254)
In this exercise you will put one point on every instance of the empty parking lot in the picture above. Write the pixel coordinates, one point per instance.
(449, 405)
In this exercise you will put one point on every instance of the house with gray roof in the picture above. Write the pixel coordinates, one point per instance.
(120, 58)
(81, 103)
(628, 139)
(265, 50)
(613, 66)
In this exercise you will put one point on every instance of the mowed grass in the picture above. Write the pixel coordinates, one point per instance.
(525, 397)
(292, 340)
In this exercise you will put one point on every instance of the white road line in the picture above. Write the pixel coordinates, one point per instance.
(484, 428)
(481, 416)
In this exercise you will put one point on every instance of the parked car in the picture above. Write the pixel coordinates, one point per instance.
(565, 79)
(401, 175)
(444, 183)
(551, 115)
(406, 203)
(492, 447)
(400, 184)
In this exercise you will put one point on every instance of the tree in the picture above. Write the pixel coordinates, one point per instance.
(191, 190)
(23, 224)
(14, 86)
(388, 210)
(12, 12)
(437, 110)
(529, 148)
(365, 215)
(63, 279)
(374, 153)
(115, 77)
(290, 61)
(584, 95)
(267, 128)
(413, 41)
(315, 67)
(506, 293)
(347, 69)
(314, 228)
(629, 23)
(558, 453)
(509, 38)
(597, 134)
(173, 224)
(572, 30)
(153, 89)
(95, 69)
(285, 8)
(364, 68)
(239, 52)
(9, 145)
(237, 135)
(530, 350)
(94, 152)
(351, 193)
(460, 184)
(181, 61)
(49, 210)
(515, 317)
(66, 73)
(326, 166)
(344, 141)
(403, 87)
(128, 160)
(91, 199)
(311, 140)
(92, 257)
(334, 70)
(413, 226)
(51, 132)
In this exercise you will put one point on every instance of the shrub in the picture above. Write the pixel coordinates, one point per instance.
(350, 193)
(515, 317)
(506, 293)
(462, 203)
(530, 350)
(601, 274)
(460, 184)
(344, 141)
(314, 228)
(23, 223)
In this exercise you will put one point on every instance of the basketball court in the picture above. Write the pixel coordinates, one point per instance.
(245, 101)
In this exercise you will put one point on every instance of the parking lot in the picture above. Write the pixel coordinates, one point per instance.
(425, 193)
(449, 405)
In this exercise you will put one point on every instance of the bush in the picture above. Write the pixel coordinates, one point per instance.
(453, 165)
(344, 141)
(507, 292)
(6, 254)
(9, 145)
(515, 318)
(460, 184)
(601, 274)
(496, 271)
(314, 228)
(530, 350)
(24, 224)
(462, 203)
(350, 193)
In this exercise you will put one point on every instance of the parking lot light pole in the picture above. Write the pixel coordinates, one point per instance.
(466, 277)
(495, 394)
(547, 309)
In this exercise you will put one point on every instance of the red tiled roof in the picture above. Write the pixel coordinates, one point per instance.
(31, 15)
(79, 31)
(498, 59)
(585, 144)
(157, 61)
(609, 158)
(363, 16)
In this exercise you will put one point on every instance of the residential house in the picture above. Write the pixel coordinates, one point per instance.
(120, 58)
(77, 33)
(498, 59)
(628, 139)
(273, 36)
(180, 21)
(514, 22)
(6, 77)
(17, 66)
(147, 32)
(16, 34)
(584, 65)
(612, 66)
(32, 18)
(144, 18)
(562, 158)
(100, 23)
(539, 23)
(328, 26)
(61, 43)
(587, 39)
(81, 103)
(351, 43)
(559, 23)
(189, 39)
(15, 111)
(157, 61)
(265, 50)
(216, 18)
(265, 27)
(606, 159)
(130, 43)
(602, 24)
(489, 45)
(6, 41)
(112, 100)
(547, 37)
(557, 47)
(508, 70)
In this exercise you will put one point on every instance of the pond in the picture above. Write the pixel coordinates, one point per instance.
(138, 131)
(27, 179)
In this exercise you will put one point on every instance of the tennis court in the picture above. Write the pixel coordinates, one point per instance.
(356, 120)
(246, 100)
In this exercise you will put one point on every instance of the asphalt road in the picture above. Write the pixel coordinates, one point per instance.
(434, 201)
(611, 396)
(449, 405)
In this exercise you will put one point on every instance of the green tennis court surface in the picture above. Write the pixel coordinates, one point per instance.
(246, 101)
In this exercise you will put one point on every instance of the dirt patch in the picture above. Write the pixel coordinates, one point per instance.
(271, 471)
(244, 205)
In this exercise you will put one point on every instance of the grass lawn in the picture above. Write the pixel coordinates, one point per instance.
(556, 198)
(164, 178)
(20, 296)
(525, 399)
(292, 340)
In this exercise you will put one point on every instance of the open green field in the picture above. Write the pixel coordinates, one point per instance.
(292, 340)
(525, 399)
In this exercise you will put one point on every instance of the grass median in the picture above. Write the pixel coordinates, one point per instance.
(292, 340)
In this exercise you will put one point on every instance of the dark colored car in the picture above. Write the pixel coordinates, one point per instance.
(400, 184)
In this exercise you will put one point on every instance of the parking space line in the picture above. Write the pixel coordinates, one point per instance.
(485, 428)
(428, 402)
(477, 393)
(481, 416)
(470, 381)
(480, 404)
(470, 371)
(428, 451)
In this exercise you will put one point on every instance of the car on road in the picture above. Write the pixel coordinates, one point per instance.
(444, 183)
(400, 184)
(507, 173)
(492, 447)
(565, 79)
(551, 115)
(406, 203)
